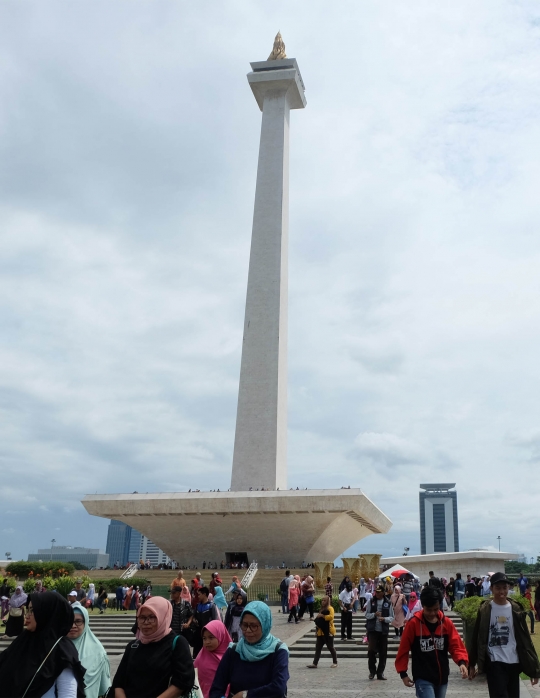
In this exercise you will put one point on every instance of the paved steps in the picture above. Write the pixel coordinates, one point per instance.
(305, 646)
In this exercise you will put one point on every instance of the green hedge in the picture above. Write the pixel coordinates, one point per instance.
(27, 570)
(467, 609)
(63, 585)
(335, 604)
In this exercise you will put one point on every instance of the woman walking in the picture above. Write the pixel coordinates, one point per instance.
(92, 654)
(158, 661)
(397, 600)
(91, 596)
(259, 662)
(326, 632)
(23, 669)
(234, 614)
(293, 595)
(15, 622)
(216, 640)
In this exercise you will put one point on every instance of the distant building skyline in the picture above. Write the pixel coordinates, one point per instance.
(126, 544)
(439, 531)
(91, 557)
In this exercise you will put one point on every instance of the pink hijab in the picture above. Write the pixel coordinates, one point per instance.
(207, 662)
(185, 594)
(162, 609)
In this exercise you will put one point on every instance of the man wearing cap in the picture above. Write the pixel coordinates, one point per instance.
(81, 593)
(379, 615)
(501, 644)
(72, 596)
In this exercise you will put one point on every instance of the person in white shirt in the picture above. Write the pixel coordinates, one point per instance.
(346, 602)
(501, 645)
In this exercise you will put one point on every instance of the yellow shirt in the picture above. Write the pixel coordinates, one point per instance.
(330, 618)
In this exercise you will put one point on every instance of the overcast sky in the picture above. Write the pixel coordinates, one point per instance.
(129, 139)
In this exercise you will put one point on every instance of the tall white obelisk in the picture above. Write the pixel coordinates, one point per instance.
(260, 444)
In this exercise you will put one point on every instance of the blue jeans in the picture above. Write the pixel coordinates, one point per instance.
(425, 689)
(284, 603)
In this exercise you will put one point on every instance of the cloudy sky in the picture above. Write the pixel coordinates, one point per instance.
(129, 139)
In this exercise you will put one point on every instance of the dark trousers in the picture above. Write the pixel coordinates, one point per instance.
(502, 679)
(323, 640)
(346, 624)
(294, 613)
(377, 643)
(302, 607)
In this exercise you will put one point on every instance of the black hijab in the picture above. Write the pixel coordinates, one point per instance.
(20, 661)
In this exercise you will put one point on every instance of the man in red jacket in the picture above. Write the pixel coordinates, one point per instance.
(429, 636)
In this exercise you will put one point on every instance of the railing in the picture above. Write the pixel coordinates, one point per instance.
(249, 575)
(130, 572)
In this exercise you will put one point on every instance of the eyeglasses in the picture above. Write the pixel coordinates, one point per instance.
(252, 627)
(78, 623)
(146, 619)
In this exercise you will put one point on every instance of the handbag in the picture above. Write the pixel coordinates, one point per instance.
(15, 612)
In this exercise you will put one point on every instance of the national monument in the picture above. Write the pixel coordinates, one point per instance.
(259, 518)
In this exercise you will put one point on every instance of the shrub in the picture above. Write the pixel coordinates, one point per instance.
(26, 570)
(78, 565)
(467, 609)
(261, 596)
(335, 604)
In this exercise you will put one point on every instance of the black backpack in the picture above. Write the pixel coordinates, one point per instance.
(283, 587)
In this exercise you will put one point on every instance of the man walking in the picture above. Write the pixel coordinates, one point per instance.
(434, 581)
(379, 615)
(429, 636)
(119, 600)
(284, 589)
(346, 601)
(501, 644)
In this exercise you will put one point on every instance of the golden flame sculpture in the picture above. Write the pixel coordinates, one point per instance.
(278, 52)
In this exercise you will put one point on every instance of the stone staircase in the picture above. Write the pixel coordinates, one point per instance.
(304, 648)
(114, 631)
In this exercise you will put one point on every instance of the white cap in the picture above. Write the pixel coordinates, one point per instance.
(72, 593)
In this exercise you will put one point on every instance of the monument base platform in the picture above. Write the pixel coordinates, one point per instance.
(270, 527)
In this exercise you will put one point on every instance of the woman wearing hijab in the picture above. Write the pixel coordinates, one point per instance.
(486, 586)
(216, 582)
(293, 594)
(15, 622)
(42, 662)
(344, 583)
(414, 605)
(90, 596)
(234, 614)
(219, 599)
(92, 654)
(216, 639)
(157, 660)
(259, 662)
(127, 600)
(397, 600)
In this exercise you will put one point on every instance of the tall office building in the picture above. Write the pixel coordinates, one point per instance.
(438, 519)
(125, 544)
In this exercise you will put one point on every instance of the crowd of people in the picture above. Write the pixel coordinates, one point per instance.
(197, 643)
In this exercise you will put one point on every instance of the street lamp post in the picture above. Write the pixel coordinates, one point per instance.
(53, 541)
(499, 539)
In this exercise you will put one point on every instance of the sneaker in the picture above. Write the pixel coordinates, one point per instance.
(334, 666)
(311, 666)
(382, 677)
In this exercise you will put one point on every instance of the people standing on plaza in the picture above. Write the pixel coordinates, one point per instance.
(294, 599)
(90, 597)
(329, 587)
(429, 637)
(284, 591)
(205, 611)
(178, 581)
(501, 645)
(233, 615)
(398, 600)
(459, 587)
(407, 587)
(181, 611)
(216, 581)
(379, 615)
(344, 583)
(522, 583)
(258, 663)
(23, 669)
(530, 611)
(470, 587)
(346, 603)
(92, 654)
(5, 593)
(307, 599)
(158, 662)
(216, 640)
(326, 631)
(15, 621)
(434, 581)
